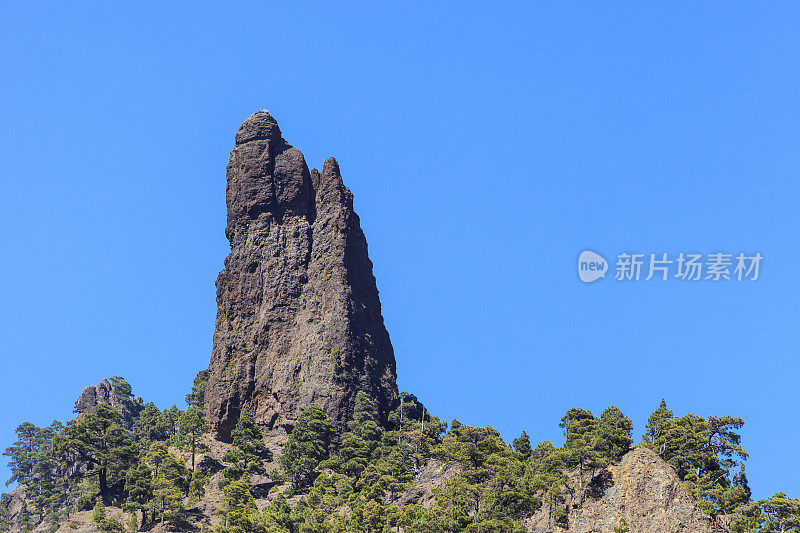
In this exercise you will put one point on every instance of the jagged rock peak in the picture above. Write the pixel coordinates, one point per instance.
(93, 395)
(299, 318)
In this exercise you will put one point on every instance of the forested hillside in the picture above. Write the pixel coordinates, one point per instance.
(137, 467)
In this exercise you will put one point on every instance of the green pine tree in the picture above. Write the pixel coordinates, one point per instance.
(781, 514)
(657, 423)
(124, 401)
(579, 429)
(360, 444)
(139, 486)
(196, 398)
(151, 425)
(307, 446)
(32, 464)
(237, 506)
(249, 451)
(522, 445)
(547, 466)
(169, 420)
(5, 516)
(99, 514)
(191, 426)
(612, 437)
(98, 442)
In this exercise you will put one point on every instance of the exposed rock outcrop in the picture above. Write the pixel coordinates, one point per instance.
(104, 392)
(299, 319)
(12, 504)
(644, 491)
(93, 395)
(432, 475)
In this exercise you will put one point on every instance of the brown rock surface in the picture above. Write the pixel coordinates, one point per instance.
(299, 319)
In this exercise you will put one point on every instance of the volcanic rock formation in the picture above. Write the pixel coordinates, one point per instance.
(104, 392)
(93, 395)
(298, 319)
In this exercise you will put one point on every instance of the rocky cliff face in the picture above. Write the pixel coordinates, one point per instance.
(299, 319)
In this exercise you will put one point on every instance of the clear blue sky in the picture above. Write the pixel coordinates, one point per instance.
(486, 145)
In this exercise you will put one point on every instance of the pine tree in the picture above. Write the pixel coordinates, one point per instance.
(192, 424)
(493, 490)
(548, 463)
(612, 436)
(458, 500)
(169, 420)
(156, 455)
(724, 440)
(139, 485)
(579, 428)
(124, 401)
(168, 489)
(657, 424)
(197, 396)
(704, 454)
(510, 493)
(360, 443)
(98, 442)
(522, 445)
(308, 444)
(23, 454)
(237, 504)
(99, 513)
(151, 425)
(249, 450)
(5, 516)
(277, 516)
(747, 518)
(197, 486)
(781, 514)
(168, 479)
(33, 465)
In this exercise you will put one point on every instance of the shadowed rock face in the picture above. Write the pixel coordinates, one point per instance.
(298, 319)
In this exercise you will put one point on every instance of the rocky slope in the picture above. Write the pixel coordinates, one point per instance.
(299, 319)
(644, 491)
